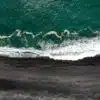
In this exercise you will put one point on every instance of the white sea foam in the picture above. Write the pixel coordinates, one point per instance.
(22, 52)
(68, 50)
(76, 50)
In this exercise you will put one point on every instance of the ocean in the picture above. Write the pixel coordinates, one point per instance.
(58, 29)
(50, 48)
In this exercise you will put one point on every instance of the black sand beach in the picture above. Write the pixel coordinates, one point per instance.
(45, 79)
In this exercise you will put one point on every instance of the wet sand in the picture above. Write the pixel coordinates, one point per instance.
(45, 79)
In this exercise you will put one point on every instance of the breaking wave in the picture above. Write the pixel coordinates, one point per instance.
(64, 45)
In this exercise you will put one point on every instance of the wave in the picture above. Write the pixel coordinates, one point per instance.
(65, 46)
(26, 39)
(77, 50)
(74, 50)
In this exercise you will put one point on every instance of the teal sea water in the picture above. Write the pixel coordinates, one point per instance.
(59, 29)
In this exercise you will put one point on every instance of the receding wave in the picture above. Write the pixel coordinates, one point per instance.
(58, 46)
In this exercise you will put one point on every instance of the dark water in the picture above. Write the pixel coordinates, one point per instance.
(37, 16)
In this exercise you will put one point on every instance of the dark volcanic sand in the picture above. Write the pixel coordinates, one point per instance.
(45, 79)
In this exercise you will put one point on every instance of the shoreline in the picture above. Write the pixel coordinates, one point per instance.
(46, 60)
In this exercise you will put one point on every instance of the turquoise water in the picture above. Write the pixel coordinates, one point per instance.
(39, 24)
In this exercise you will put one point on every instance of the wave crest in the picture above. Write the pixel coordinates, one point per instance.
(26, 39)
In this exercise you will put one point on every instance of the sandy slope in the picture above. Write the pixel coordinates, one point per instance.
(44, 79)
